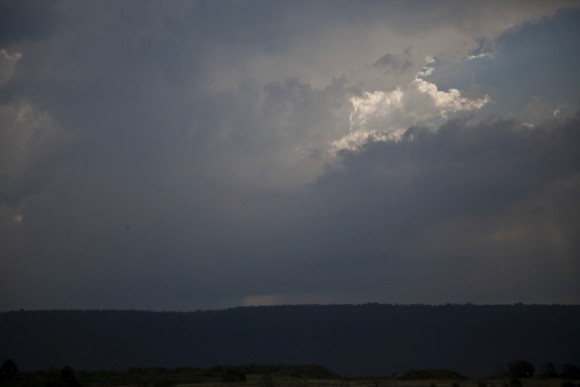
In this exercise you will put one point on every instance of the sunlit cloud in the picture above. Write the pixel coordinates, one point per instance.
(483, 55)
(386, 115)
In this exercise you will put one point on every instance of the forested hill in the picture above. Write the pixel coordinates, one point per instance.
(367, 339)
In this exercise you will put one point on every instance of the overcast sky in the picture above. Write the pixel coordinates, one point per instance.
(182, 155)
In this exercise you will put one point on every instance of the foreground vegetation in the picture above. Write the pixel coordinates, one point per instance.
(259, 376)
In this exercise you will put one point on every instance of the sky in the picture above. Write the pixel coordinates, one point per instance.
(184, 155)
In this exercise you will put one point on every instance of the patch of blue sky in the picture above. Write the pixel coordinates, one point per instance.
(529, 73)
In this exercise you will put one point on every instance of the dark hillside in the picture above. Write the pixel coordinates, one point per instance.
(347, 339)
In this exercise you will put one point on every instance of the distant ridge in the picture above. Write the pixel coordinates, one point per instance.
(370, 339)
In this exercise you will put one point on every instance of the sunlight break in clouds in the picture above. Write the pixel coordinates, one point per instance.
(386, 115)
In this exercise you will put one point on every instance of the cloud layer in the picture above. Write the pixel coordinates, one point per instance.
(192, 155)
(385, 116)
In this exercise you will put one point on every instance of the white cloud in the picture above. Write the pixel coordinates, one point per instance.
(483, 55)
(386, 115)
(427, 70)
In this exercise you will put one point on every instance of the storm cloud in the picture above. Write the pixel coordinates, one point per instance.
(190, 155)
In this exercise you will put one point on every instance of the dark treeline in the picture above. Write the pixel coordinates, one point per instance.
(264, 375)
(164, 377)
(367, 339)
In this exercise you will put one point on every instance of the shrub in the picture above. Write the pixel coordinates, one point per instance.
(570, 371)
(515, 382)
(520, 369)
(431, 374)
(8, 371)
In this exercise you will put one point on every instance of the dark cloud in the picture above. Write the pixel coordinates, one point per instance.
(397, 63)
(479, 213)
(424, 219)
(25, 19)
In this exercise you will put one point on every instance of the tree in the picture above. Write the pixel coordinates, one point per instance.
(68, 377)
(549, 369)
(570, 371)
(520, 369)
(8, 371)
